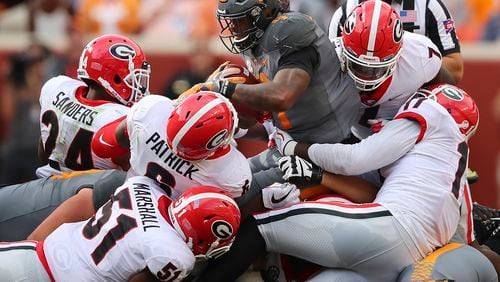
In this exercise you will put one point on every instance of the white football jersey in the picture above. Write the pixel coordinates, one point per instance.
(127, 235)
(418, 64)
(150, 155)
(423, 189)
(68, 122)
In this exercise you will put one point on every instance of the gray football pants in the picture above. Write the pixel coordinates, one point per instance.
(364, 238)
(454, 261)
(19, 262)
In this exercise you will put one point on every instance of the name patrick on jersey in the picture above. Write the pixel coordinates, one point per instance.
(74, 109)
(145, 205)
(160, 148)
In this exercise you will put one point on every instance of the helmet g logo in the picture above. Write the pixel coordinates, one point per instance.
(121, 51)
(398, 31)
(453, 94)
(217, 139)
(221, 229)
(350, 23)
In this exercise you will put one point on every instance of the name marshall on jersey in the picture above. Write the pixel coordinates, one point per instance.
(160, 148)
(74, 109)
(145, 206)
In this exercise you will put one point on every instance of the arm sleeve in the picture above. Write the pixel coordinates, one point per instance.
(306, 59)
(377, 151)
(105, 144)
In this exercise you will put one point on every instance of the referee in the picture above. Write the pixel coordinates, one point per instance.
(427, 17)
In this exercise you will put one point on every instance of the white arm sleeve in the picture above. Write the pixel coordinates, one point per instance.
(377, 151)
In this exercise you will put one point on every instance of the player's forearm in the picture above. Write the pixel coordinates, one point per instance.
(77, 208)
(454, 63)
(353, 188)
(372, 153)
(265, 97)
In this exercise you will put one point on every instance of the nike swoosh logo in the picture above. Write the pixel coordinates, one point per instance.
(104, 142)
(275, 201)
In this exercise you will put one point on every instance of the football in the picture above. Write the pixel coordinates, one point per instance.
(238, 74)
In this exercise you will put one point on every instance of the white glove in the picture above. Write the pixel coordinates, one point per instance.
(284, 142)
(299, 171)
(280, 195)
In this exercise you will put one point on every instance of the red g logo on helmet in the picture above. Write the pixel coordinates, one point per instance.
(350, 23)
(222, 229)
(122, 51)
(398, 31)
(453, 94)
(217, 140)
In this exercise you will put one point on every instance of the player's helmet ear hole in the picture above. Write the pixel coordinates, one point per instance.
(117, 79)
(220, 117)
(188, 114)
(200, 242)
(199, 125)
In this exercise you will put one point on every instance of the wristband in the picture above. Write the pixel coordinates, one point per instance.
(227, 89)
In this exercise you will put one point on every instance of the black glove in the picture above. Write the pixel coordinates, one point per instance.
(299, 171)
(486, 222)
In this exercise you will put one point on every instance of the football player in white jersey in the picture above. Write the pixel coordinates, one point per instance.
(113, 74)
(421, 154)
(138, 233)
(387, 63)
(184, 145)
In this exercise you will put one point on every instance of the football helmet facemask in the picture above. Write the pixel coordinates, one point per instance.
(117, 64)
(200, 125)
(207, 219)
(371, 43)
(243, 22)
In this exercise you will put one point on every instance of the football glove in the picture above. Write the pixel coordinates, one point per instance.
(280, 195)
(284, 142)
(299, 171)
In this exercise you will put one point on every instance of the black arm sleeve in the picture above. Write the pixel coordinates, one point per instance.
(247, 246)
(306, 59)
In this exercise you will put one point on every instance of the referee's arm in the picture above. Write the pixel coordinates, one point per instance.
(441, 30)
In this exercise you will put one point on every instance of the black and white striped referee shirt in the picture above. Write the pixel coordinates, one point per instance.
(427, 17)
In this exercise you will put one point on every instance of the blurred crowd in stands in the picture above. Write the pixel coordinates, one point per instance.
(164, 21)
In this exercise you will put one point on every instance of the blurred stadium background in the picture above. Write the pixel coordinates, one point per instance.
(43, 38)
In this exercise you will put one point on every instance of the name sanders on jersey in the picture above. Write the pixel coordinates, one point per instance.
(74, 109)
(145, 206)
(160, 148)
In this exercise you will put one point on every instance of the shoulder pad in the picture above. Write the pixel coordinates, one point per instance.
(289, 32)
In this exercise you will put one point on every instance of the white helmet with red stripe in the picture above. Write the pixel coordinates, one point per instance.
(200, 125)
(371, 43)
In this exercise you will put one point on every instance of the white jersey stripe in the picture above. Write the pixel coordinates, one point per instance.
(374, 27)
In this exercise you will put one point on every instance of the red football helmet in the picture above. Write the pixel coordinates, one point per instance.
(207, 219)
(460, 105)
(118, 64)
(371, 43)
(201, 124)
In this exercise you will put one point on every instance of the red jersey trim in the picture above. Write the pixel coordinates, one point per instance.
(41, 256)
(370, 98)
(80, 94)
(468, 202)
(163, 203)
(420, 119)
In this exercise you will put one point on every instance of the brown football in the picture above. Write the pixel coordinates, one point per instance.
(238, 74)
